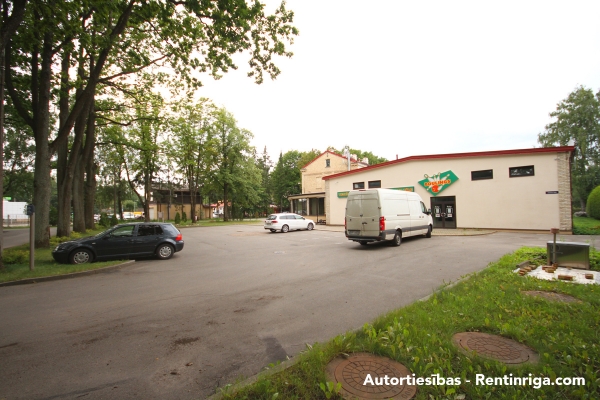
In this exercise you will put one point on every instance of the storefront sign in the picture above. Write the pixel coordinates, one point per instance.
(435, 184)
(342, 195)
(552, 192)
(405, 188)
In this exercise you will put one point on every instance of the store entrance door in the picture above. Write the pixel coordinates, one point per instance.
(444, 212)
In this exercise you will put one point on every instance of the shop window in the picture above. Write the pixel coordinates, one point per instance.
(483, 174)
(327, 163)
(358, 185)
(521, 171)
(374, 184)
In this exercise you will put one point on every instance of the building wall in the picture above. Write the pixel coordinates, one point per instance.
(313, 173)
(501, 202)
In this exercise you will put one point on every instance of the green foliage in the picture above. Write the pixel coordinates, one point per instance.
(586, 226)
(177, 218)
(15, 256)
(184, 216)
(53, 216)
(577, 118)
(593, 203)
(114, 220)
(330, 389)
(104, 220)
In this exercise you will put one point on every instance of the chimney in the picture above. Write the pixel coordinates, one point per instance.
(365, 161)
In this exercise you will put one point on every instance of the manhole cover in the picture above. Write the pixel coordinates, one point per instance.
(356, 373)
(552, 296)
(495, 347)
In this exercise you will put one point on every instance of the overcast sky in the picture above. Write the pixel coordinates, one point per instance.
(408, 78)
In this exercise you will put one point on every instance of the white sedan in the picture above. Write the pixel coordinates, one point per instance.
(285, 222)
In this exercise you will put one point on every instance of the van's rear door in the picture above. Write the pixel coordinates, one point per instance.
(362, 211)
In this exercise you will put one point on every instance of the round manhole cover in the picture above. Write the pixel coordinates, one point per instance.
(494, 347)
(366, 376)
(552, 296)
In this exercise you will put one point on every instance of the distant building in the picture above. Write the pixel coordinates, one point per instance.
(311, 202)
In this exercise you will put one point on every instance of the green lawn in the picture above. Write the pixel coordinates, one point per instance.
(586, 226)
(16, 261)
(565, 335)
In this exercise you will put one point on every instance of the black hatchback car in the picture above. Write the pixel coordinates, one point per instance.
(122, 241)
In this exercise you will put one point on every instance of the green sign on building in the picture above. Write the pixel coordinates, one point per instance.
(435, 184)
(342, 195)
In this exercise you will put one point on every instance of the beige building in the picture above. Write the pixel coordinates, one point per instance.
(311, 202)
(512, 189)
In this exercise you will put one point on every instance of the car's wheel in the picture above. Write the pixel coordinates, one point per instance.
(428, 234)
(273, 230)
(285, 229)
(81, 256)
(363, 243)
(397, 239)
(165, 251)
(310, 227)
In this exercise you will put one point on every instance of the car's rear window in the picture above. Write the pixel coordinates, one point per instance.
(272, 217)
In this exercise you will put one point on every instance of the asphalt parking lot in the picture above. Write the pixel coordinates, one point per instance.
(234, 300)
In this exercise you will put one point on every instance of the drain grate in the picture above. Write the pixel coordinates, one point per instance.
(356, 372)
(495, 347)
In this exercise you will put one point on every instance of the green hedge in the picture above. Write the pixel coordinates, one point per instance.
(593, 203)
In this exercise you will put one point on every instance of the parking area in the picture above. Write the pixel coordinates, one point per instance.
(234, 300)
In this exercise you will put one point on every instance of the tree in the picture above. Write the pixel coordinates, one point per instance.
(192, 145)
(286, 178)
(232, 150)
(110, 40)
(577, 120)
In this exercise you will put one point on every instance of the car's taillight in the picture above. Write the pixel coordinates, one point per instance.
(382, 224)
(179, 237)
(273, 222)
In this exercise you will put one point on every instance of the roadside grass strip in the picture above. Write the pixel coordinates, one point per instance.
(564, 335)
(16, 261)
(586, 226)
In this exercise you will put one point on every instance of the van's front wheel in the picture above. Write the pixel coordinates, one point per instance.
(397, 240)
(428, 234)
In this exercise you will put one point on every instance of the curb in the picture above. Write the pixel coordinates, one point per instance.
(65, 276)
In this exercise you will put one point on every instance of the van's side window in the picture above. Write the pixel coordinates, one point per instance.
(423, 208)
(374, 184)
(358, 185)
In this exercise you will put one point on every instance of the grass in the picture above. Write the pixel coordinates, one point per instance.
(16, 261)
(565, 335)
(586, 226)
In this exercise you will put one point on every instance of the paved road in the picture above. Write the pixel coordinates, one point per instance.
(16, 237)
(236, 299)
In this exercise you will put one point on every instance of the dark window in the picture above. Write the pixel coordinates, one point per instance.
(358, 185)
(483, 174)
(145, 230)
(374, 184)
(521, 171)
(328, 162)
(158, 230)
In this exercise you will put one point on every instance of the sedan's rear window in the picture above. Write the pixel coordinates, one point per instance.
(272, 217)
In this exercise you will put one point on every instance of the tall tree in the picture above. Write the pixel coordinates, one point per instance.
(120, 38)
(286, 177)
(577, 120)
(192, 145)
(232, 146)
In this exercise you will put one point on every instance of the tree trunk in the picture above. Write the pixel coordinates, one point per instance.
(225, 208)
(90, 193)
(78, 202)
(63, 226)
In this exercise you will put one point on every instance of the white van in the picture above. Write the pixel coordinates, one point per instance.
(373, 215)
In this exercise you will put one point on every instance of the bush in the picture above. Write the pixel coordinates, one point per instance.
(114, 220)
(15, 256)
(184, 217)
(53, 216)
(104, 221)
(593, 203)
(177, 218)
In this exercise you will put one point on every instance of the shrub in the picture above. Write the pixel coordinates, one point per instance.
(184, 216)
(114, 220)
(593, 203)
(53, 216)
(104, 221)
(177, 218)
(15, 256)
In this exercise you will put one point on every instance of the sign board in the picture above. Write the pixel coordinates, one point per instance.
(436, 183)
(405, 188)
(552, 192)
(342, 195)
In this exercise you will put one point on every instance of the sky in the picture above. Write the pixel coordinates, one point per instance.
(400, 78)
